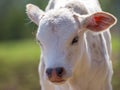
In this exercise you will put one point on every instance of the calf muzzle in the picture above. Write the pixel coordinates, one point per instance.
(55, 74)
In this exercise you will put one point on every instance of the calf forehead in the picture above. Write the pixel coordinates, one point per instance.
(52, 28)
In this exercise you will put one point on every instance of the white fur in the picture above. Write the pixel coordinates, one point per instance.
(87, 64)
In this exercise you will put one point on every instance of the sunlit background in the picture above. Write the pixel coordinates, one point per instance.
(19, 52)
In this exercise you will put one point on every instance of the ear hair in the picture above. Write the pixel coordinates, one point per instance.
(34, 13)
(100, 21)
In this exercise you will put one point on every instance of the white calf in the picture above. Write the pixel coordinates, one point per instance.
(75, 45)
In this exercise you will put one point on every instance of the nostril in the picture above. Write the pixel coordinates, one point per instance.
(60, 71)
(49, 72)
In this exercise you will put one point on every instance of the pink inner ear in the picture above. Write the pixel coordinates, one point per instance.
(99, 22)
(98, 18)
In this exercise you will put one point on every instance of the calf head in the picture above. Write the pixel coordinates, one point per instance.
(61, 37)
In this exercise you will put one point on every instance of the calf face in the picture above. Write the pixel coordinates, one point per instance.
(61, 37)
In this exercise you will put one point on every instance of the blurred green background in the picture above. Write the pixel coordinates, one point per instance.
(19, 52)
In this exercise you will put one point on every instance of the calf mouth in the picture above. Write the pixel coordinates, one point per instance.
(58, 82)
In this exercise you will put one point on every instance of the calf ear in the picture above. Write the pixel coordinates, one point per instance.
(34, 13)
(99, 21)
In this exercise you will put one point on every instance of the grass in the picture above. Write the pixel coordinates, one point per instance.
(19, 65)
(115, 44)
(116, 63)
(19, 50)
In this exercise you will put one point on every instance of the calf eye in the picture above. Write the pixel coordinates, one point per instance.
(39, 42)
(75, 40)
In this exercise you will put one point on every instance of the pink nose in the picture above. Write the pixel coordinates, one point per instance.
(55, 74)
